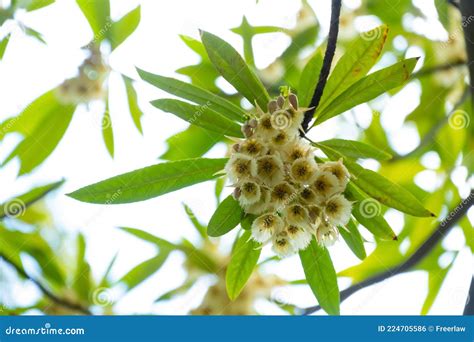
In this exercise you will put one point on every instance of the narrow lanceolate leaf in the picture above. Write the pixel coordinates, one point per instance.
(353, 239)
(356, 149)
(369, 88)
(203, 116)
(143, 271)
(309, 79)
(245, 254)
(227, 216)
(321, 276)
(354, 64)
(234, 69)
(195, 94)
(3, 45)
(369, 213)
(145, 236)
(107, 131)
(124, 27)
(17, 204)
(44, 138)
(151, 181)
(378, 187)
(34, 5)
(135, 110)
(97, 14)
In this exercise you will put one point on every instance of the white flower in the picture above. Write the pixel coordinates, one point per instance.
(265, 129)
(261, 206)
(327, 234)
(307, 196)
(282, 245)
(297, 215)
(303, 170)
(338, 170)
(265, 226)
(249, 193)
(270, 169)
(325, 185)
(252, 147)
(338, 210)
(299, 237)
(281, 194)
(240, 167)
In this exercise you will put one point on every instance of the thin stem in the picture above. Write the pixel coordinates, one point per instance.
(327, 61)
(60, 301)
(467, 12)
(469, 308)
(443, 228)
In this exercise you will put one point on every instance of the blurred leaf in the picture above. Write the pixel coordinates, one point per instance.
(202, 116)
(233, 68)
(135, 110)
(97, 14)
(35, 34)
(199, 258)
(369, 213)
(124, 27)
(321, 276)
(42, 141)
(300, 39)
(220, 184)
(19, 203)
(368, 88)
(3, 45)
(33, 5)
(359, 58)
(450, 142)
(107, 131)
(227, 216)
(82, 283)
(193, 142)
(380, 188)
(150, 182)
(354, 239)
(375, 134)
(175, 292)
(199, 227)
(143, 235)
(244, 258)
(309, 79)
(144, 270)
(443, 14)
(468, 232)
(105, 282)
(195, 94)
(247, 221)
(355, 149)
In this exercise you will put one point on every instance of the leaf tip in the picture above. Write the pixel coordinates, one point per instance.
(395, 238)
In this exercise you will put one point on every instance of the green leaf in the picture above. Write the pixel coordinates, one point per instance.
(82, 284)
(44, 138)
(321, 276)
(353, 239)
(144, 270)
(244, 258)
(3, 45)
(247, 221)
(203, 116)
(356, 149)
(361, 55)
(227, 216)
(436, 277)
(378, 187)
(369, 88)
(151, 181)
(194, 94)
(175, 292)
(124, 27)
(369, 213)
(199, 258)
(35, 34)
(145, 236)
(234, 69)
(443, 12)
(135, 110)
(97, 14)
(34, 5)
(107, 131)
(193, 142)
(309, 79)
(23, 201)
(199, 227)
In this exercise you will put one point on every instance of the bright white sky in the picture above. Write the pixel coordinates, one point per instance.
(30, 68)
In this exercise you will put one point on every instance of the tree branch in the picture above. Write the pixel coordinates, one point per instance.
(443, 228)
(326, 68)
(442, 67)
(60, 301)
(467, 12)
(469, 308)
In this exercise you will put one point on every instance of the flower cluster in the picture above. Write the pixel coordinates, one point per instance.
(277, 178)
(88, 85)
